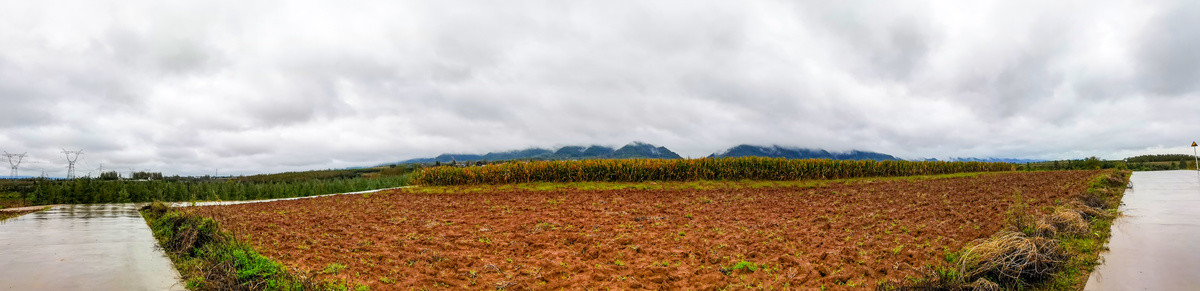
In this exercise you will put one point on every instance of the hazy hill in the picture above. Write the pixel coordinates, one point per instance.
(633, 150)
(996, 160)
(799, 153)
(579, 152)
(643, 150)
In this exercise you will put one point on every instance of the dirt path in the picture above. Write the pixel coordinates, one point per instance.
(26, 208)
(1153, 246)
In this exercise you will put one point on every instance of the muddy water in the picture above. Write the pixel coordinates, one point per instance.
(83, 247)
(1154, 246)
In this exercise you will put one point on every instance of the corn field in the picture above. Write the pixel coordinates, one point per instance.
(638, 170)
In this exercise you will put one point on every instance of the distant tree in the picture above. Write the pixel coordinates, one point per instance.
(110, 175)
(146, 176)
(1092, 163)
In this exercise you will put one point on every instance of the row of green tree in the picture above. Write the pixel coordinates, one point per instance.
(152, 186)
(1160, 158)
(1091, 163)
(113, 175)
(88, 190)
(1138, 163)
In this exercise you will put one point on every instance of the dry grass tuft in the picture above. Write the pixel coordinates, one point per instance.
(983, 285)
(1012, 257)
(1088, 212)
(1067, 222)
(1045, 229)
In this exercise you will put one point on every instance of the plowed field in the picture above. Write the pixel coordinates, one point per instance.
(837, 235)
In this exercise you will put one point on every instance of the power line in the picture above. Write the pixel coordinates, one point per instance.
(16, 164)
(71, 161)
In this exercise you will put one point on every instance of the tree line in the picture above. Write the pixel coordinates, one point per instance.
(152, 186)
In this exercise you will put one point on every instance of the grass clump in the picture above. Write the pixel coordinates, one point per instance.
(741, 266)
(1013, 258)
(211, 259)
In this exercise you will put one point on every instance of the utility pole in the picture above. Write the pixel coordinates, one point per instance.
(14, 165)
(71, 161)
(1196, 159)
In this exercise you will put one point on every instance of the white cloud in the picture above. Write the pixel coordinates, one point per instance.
(188, 87)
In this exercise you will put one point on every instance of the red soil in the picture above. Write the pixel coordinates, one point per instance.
(836, 236)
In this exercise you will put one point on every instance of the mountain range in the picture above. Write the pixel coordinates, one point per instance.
(995, 160)
(641, 150)
(799, 153)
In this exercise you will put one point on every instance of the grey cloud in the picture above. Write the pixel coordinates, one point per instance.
(1167, 52)
(189, 87)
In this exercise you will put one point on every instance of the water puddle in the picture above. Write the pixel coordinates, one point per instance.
(1153, 246)
(83, 247)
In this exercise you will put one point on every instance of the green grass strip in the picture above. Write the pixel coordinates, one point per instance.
(211, 259)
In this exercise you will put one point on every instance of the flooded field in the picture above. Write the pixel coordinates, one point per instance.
(1153, 245)
(89, 247)
(83, 247)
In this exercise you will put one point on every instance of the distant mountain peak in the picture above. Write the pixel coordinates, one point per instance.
(777, 151)
(633, 150)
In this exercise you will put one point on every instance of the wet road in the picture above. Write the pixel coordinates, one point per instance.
(1154, 245)
(83, 247)
(90, 247)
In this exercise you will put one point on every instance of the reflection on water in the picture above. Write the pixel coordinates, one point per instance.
(1153, 245)
(83, 247)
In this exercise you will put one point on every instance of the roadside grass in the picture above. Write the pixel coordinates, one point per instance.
(676, 185)
(1053, 251)
(211, 259)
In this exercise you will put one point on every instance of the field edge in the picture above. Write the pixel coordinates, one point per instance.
(1087, 249)
(7, 214)
(209, 258)
(1081, 250)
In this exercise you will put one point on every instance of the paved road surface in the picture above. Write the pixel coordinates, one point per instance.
(83, 247)
(1156, 244)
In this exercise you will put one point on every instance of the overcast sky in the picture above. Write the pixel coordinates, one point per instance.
(187, 87)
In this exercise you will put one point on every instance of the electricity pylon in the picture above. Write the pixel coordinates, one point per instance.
(71, 161)
(16, 163)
